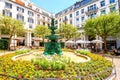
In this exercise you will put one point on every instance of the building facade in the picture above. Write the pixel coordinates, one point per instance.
(25, 11)
(79, 12)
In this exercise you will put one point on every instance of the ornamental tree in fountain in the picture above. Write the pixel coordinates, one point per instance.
(53, 46)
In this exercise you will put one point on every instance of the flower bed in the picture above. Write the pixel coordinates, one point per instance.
(97, 68)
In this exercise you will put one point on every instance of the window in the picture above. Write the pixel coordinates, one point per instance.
(20, 17)
(112, 1)
(92, 7)
(66, 11)
(48, 25)
(70, 15)
(77, 13)
(82, 11)
(85, 2)
(103, 12)
(37, 9)
(70, 21)
(77, 6)
(30, 26)
(92, 15)
(44, 23)
(8, 5)
(38, 16)
(30, 20)
(112, 9)
(48, 19)
(7, 13)
(102, 3)
(71, 9)
(65, 17)
(38, 22)
(56, 22)
(60, 19)
(43, 18)
(20, 9)
(77, 19)
(82, 18)
(30, 13)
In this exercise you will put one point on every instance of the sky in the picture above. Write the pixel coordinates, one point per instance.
(54, 6)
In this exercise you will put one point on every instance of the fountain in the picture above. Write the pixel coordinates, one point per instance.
(68, 66)
(53, 46)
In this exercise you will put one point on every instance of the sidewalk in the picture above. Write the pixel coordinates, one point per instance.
(116, 62)
(5, 52)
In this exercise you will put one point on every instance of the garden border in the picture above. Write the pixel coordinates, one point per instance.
(111, 77)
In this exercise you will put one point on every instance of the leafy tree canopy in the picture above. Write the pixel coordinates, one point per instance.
(41, 31)
(68, 31)
(103, 25)
(10, 27)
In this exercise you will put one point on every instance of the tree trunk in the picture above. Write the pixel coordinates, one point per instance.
(105, 42)
(9, 42)
(10, 39)
(43, 42)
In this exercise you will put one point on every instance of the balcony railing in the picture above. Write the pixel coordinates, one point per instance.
(91, 11)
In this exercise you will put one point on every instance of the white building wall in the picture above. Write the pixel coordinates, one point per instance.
(14, 11)
(85, 7)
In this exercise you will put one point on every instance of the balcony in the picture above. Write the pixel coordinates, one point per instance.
(43, 20)
(65, 19)
(91, 11)
(20, 2)
(45, 14)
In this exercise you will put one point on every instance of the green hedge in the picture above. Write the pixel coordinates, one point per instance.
(3, 44)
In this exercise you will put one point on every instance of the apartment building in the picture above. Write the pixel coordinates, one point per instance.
(27, 12)
(79, 12)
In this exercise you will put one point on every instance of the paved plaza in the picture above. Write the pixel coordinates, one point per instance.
(116, 61)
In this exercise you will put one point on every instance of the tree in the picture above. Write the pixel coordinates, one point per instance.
(68, 31)
(41, 31)
(10, 27)
(104, 26)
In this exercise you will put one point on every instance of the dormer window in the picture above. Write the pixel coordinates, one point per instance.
(37, 9)
(30, 5)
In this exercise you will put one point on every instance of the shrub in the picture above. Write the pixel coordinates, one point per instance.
(58, 67)
(83, 52)
(3, 44)
(44, 64)
(21, 51)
